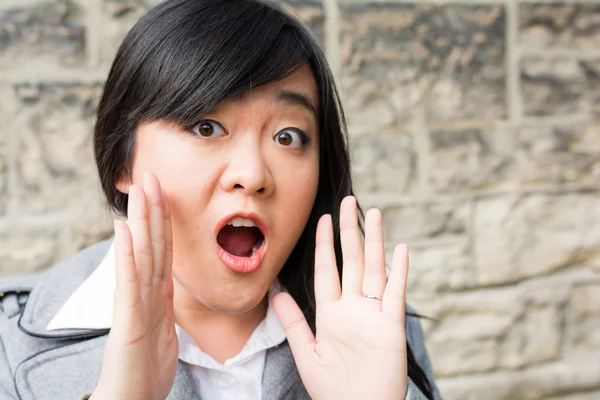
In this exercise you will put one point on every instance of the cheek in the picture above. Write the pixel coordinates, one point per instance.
(187, 174)
(297, 186)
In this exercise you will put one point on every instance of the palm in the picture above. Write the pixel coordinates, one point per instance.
(142, 351)
(153, 342)
(360, 346)
(354, 342)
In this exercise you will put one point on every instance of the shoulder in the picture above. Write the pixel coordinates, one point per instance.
(28, 302)
(14, 292)
(412, 324)
(415, 337)
(17, 289)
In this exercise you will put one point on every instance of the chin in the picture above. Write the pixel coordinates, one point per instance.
(231, 299)
(233, 305)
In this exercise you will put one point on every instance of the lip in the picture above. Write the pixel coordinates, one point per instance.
(243, 264)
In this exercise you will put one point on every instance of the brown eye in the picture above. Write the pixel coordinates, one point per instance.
(291, 138)
(209, 129)
(284, 138)
(206, 129)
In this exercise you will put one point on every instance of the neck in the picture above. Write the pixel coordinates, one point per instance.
(221, 336)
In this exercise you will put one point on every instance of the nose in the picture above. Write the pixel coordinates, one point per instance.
(247, 172)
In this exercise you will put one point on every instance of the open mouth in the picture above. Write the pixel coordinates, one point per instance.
(240, 237)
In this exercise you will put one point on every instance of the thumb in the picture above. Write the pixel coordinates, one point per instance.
(299, 335)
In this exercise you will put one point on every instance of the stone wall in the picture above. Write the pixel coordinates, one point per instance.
(475, 127)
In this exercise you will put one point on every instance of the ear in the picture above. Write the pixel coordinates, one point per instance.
(123, 182)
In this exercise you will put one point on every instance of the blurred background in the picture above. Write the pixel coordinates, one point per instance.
(474, 125)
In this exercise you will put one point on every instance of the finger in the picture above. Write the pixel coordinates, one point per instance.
(168, 229)
(394, 298)
(352, 248)
(140, 232)
(298, 333)
(156, 223)
(170, 295)
(374, 278)
(327, 278)
(126, 274)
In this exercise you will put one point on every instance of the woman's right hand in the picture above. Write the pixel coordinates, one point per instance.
(140, 359)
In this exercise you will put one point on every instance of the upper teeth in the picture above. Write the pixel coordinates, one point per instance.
(237, 222)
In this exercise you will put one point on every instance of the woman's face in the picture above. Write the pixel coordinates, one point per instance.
(255, 157)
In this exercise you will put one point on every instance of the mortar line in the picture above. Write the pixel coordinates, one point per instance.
(332, 45)
(512, 58)
(93, 30)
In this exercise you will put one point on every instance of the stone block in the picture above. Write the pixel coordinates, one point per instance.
(572, 378)
(558, 154)
(24, 251)
(475, 332)
(56, 168)
(90, 230)
(49, 33)
(469, 158)
(520, 237)
(311, 13)
(382, 162)
(559, 25)
(118, 17)
(398, 57)
(585, 304)
(438, 267)
(560, 86)
(405, 224)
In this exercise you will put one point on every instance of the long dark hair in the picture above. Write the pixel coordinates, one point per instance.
(184, 58)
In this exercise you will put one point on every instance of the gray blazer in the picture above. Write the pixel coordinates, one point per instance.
(65, 364)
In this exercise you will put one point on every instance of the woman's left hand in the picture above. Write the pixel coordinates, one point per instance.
(360, 347)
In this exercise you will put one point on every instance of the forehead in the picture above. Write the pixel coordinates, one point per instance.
(301, 81)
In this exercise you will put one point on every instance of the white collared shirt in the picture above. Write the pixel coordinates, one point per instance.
(239, 378)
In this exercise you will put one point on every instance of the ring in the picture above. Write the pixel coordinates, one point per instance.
(372, 296)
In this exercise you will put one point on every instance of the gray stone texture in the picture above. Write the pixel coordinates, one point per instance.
(399, 57)
(470, 158)
(55, 164)
(560, 25)
(472, 333)
(520, 237)
(586, 313)
(118, 17)
(48, 32)
(383, 162)
(474, 126)
(28, 249)
(560, 86)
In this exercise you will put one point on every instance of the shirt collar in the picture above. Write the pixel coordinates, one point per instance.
(91, 304)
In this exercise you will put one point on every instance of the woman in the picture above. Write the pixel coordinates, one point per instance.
(240, 272)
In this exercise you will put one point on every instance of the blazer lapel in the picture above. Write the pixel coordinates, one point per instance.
(280, 377)
(184, 387)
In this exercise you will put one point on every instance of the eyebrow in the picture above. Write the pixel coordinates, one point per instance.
(296, 98)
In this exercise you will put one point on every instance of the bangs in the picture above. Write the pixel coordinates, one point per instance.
(202, 58)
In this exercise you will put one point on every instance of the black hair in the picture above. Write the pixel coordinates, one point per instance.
(184, 58)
